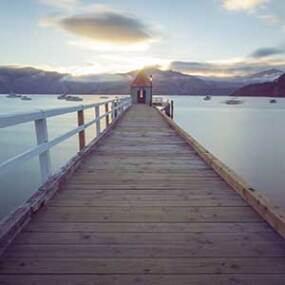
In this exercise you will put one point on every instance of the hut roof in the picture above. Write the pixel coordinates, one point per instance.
(142, 80)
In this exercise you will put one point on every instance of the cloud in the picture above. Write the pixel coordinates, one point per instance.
(107, 27)
(203, 68)
(267, 52)
(243, 5)
(261, 59)
(242, 67)
(261, 9)
(103, 27)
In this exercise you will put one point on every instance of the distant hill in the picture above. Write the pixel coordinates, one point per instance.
(275, 88)
(29, 80)
(266, 75)
(238, 81)
(35, 81)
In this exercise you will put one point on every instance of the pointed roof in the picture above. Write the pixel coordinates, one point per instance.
(142, 80)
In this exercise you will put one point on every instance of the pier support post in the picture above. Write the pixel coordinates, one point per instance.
(44, 158)
(107, 116)
(172, 110)
(80, 117)
(98, 122)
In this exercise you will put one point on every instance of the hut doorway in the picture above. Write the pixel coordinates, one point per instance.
(141, 95)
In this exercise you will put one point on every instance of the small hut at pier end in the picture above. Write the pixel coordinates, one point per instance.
(141, 89)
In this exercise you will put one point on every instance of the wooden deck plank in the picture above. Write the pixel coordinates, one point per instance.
(148, 214)
(143, 202)
(145, 209)
(144, 238)
(136, 279)
(148, 227)
(147, 266)
(195, 249)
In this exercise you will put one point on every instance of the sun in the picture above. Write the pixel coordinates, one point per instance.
(118, 64)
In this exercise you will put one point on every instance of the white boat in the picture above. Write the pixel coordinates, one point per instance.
(62, 97)
(13, 95)
(233, 101)
(73, 98)
(207, 98)
(26, 98)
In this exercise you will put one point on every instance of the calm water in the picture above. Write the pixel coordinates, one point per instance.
(249, 138)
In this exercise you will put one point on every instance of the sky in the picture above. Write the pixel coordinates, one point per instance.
(199, 37)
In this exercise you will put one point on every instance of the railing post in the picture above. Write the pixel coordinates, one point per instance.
(119, 107)
(98, 122)
(80, 117)
(107, 116)
(44, 158)
(113, 111)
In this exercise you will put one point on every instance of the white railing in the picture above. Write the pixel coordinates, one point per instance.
(157, 100)
(113, 108)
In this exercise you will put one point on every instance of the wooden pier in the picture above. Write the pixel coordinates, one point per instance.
(144, 208)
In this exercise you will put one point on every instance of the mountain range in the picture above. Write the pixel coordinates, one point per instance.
(274, 88)
(29, 80)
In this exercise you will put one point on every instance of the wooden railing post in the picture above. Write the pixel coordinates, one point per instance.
(119, 107)
(113, 110)
(80, 117)
(44, 158)
(98, 122)
(107, 116)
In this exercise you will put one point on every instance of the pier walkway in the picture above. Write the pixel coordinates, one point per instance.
(144, 208)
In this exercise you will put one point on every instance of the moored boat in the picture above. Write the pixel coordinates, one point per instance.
(207, 98)
(234, 101)
(73, 98)
(62, 97)
(26, 98)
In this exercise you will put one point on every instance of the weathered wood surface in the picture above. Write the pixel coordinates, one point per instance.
(145, 209)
